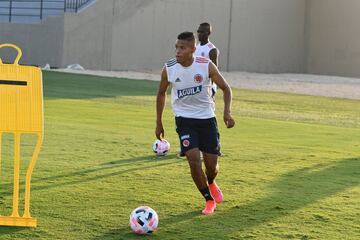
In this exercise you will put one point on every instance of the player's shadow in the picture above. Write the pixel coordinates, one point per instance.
(98, 172)
(12, 230)
(117, 167)
(288, 193)
(77, 86)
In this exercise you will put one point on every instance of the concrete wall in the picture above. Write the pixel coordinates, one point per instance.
(333, 37)
(41, 43)
(252, 35)
(88, 37)
(144, 32)
(314, 36)
(267, 36)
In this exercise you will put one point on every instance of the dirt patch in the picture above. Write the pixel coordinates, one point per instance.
(316, 85)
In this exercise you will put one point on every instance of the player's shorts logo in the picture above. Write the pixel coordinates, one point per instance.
(185, 136)
(186, 143)
(198, 78)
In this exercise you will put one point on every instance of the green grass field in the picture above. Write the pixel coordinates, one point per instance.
(291, 168)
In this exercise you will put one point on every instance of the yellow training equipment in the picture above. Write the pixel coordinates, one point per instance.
(21, 112)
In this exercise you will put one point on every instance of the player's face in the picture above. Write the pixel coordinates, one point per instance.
(184, 50)
(203, 33)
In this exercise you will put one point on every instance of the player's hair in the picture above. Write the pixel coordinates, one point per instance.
(187, 36)
(206, 24)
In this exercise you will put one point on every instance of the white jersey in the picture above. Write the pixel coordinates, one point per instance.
(204, 50)
(191, 89)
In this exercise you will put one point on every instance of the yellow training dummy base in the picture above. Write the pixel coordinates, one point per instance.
(21, 112)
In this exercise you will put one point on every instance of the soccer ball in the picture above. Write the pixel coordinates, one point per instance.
(144, 220)
(161, 148)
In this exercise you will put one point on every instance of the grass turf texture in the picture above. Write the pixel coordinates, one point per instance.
(290, 170)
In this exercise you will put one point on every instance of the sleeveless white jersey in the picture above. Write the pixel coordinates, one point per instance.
(204, 50)
(191, 89)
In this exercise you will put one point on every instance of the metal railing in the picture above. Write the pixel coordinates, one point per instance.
(36, 8)
(74, 4)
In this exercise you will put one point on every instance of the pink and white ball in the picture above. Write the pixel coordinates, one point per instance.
(144, 220)
(161, 147)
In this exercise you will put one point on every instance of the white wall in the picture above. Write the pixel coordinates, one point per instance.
(333, 37)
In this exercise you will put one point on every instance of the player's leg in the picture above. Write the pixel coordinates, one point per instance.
(189, 145)
(212, 169)
(209, 145)
(197, 173)
(211, 165)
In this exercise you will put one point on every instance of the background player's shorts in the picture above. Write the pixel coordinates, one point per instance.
(198, 133)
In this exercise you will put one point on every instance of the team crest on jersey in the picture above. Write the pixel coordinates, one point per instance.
(189, 91)
(198, 78)
(203, 54)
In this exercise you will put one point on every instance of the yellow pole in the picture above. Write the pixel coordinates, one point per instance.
(0, 153)
(15, 212)
(29, 173)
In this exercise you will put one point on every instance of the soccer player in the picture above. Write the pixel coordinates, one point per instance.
(194, 111)
(205, 48)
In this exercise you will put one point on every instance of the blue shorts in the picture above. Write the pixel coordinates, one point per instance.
(198, 133)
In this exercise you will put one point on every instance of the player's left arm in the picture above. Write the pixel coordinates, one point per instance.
(214, 55)
(216, 76)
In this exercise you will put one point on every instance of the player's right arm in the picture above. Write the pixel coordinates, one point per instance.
(160, 104)
(213, 55)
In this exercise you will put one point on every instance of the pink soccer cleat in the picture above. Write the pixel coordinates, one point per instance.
(209, 207)
(216, 192)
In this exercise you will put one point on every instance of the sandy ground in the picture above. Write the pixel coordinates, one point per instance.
(317, 85)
